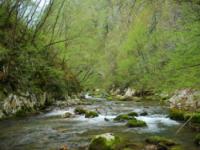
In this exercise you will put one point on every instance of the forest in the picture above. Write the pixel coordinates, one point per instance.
(100, 74)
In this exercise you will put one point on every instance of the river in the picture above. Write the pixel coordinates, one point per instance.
(49, 131)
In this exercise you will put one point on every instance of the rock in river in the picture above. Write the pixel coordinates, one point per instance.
(105, 141)
(136, 123)
(80, 111)
(91, 114)
(67, 115)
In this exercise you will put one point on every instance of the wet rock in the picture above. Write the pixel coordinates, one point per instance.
(106, 119)
(105, 141)
(197, 140)
(133, 114)
(80, 111)
(67, 115)
(157, 140)
(186, 99)
(136, 123)
(91, 114)
(144, 113)
(123, 117)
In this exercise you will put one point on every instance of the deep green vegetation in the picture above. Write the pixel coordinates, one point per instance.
(145, 44)
(26, 63)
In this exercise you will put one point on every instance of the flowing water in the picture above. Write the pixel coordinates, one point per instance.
(49, 131)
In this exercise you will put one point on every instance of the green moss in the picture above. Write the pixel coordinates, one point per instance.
(91, 114)
(177, 114)
(100, 144)
(103, 143)
(126, 117)
(132, 114)
(197, 140)
(160, 140)
(136, 123)
(123, 117)
(195, 117)
(80, 111)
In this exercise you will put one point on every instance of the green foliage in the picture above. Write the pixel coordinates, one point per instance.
(143, 44)
(26, 64)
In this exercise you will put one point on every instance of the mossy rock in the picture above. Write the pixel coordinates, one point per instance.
(123, 117)
(176, 148)
(67, 115)
(197, 140)
(177, 114)
(133, 114)
(181, 115)
(91, 114)
(105, 141)
(161, 141)
(195, 117)
(80, 111)
(136, 123)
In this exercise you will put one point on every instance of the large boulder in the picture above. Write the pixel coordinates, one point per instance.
(17, 105)
(129, 92)
(186, 99)
(105, 141)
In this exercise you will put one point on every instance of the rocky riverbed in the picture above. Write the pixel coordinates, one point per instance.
(53, 130)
